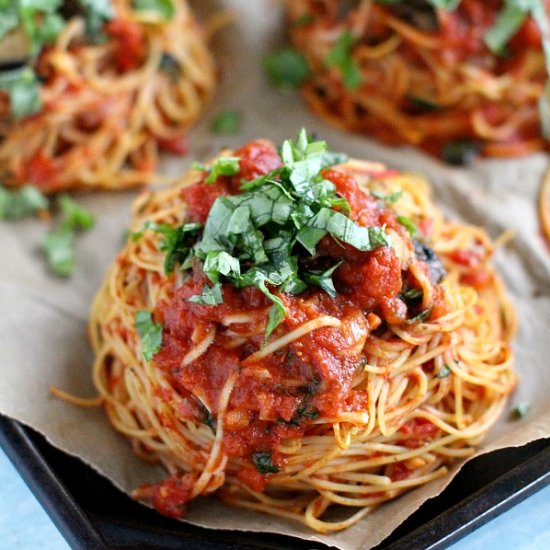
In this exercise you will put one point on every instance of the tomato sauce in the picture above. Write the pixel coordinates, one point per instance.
(130, 43)
(279, 395)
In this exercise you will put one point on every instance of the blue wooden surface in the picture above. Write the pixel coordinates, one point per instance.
(24, 525)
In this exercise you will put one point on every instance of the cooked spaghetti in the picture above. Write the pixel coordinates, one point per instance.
(458, 80)
(306, 336)
(110, 99)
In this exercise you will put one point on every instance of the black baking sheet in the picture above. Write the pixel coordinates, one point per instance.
(91, 513)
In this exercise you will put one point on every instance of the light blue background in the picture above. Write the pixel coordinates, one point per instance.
(24, 525)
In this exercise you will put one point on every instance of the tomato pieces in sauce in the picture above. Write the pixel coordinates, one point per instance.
(279, 394)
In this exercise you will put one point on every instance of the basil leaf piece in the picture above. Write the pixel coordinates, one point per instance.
(23, 89)
(224, 166)
(75, 217)
(58, 246)
(10, 17)
(343, 229)
(40, 21)
(96, 12)
(444, 372)
(392, 198)
(448, 5)
(542, 19)
(408, 224)
(263, 462)
(509, 20)
(210, 296)
(220, 263)
(226, 123)
(520, 410)
(163, 8)
(341, 56)
(149, 332)
(177, 242)
(255, 238)
(16, 204)
(323, 279)
(287, 68)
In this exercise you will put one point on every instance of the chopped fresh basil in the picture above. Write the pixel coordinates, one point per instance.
(59, 244)
(177, 242)
(422, 316)
(411, 296)
(303, 20)
(74, 216)
(263, 462)
(287, 68)
(392, 198)
(149, 332)
(224, 166)
(10, 17)
(40, 21)
(323, 279)
(211, 296)
(508, 21)
(302, 413)
(520, 410)
(422, 104)
(16, 204)
(163, 8)
(96, 13)
(334, 223)
(444, 372)
(408, 224)
(448, 5)
(257, 238)
(540, 15)
(340, 56)
(23, 90)
(226, 122)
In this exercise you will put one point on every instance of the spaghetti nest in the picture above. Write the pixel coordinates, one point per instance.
(110, 104)
(451, 81)
(389, 359)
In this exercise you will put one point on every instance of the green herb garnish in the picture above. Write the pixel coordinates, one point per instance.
(10, 17)
(149, 332)
(341, 56)
(224, 166)
(226, 122)
(408, 224)
(177, 242)
(23, 90)
(444, 372)
(59, 244)
(520, 410)
(41, 21)
(75, 217)
(211, 296)
(163, 8)
(287, 68)
(263, 462)
(303, 20)
(16, 204)
(392, 198)
(96, 13)
(264, 236)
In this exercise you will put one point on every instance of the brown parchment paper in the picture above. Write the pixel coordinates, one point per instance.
(43, 319)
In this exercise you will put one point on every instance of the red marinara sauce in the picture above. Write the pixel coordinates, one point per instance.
(279, 395)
